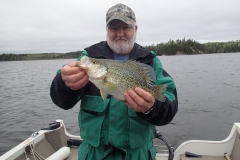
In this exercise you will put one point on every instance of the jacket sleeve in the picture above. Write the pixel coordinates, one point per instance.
(62, 95)
(163, 112)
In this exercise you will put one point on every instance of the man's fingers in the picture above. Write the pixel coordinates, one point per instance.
(145, 95)
(74, 76)
(79, 84)
(139, 100)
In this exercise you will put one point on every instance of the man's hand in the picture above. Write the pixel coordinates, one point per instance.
(139, 99)
(73, 76)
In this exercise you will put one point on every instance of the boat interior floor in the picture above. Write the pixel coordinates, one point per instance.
(56, 139)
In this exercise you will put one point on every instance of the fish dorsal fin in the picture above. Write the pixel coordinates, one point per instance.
(146, 70)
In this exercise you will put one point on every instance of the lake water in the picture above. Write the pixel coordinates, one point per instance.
(208, 89)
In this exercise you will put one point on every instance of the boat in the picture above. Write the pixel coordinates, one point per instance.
(55, 143)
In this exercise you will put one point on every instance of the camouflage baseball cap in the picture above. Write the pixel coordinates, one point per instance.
(121, 12)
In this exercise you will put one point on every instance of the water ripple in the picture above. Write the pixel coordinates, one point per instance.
(208, 90)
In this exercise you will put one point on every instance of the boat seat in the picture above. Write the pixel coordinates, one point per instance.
(234, 155)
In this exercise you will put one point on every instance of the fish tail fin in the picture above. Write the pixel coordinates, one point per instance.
(159, 92)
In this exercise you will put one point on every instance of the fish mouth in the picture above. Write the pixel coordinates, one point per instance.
(84, 62)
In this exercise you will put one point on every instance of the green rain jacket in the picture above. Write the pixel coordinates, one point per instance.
(110, 129)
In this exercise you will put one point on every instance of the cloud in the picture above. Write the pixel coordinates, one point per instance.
(62, 26)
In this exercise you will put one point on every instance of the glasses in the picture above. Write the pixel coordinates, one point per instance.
(124, 28)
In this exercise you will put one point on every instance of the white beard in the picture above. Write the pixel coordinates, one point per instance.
(121, 48)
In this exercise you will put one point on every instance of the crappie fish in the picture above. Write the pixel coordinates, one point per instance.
(116, 77)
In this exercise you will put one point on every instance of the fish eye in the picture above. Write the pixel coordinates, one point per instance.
(94, 62)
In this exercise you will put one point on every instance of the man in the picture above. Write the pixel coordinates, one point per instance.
(112, 129)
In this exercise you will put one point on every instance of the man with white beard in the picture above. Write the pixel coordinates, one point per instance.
(112, 129)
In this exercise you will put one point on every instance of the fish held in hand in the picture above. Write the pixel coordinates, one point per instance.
(117, 77)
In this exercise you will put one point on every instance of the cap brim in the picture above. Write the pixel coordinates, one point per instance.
(122, 18)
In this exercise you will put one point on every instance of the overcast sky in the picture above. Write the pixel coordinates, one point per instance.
(39, 26)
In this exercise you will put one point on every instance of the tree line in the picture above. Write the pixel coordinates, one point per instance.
(191, 46)
(39, 56)
(177, 47)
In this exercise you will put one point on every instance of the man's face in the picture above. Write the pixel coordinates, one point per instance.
(121, 36)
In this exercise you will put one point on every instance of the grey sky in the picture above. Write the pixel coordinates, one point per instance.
(38, 26)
